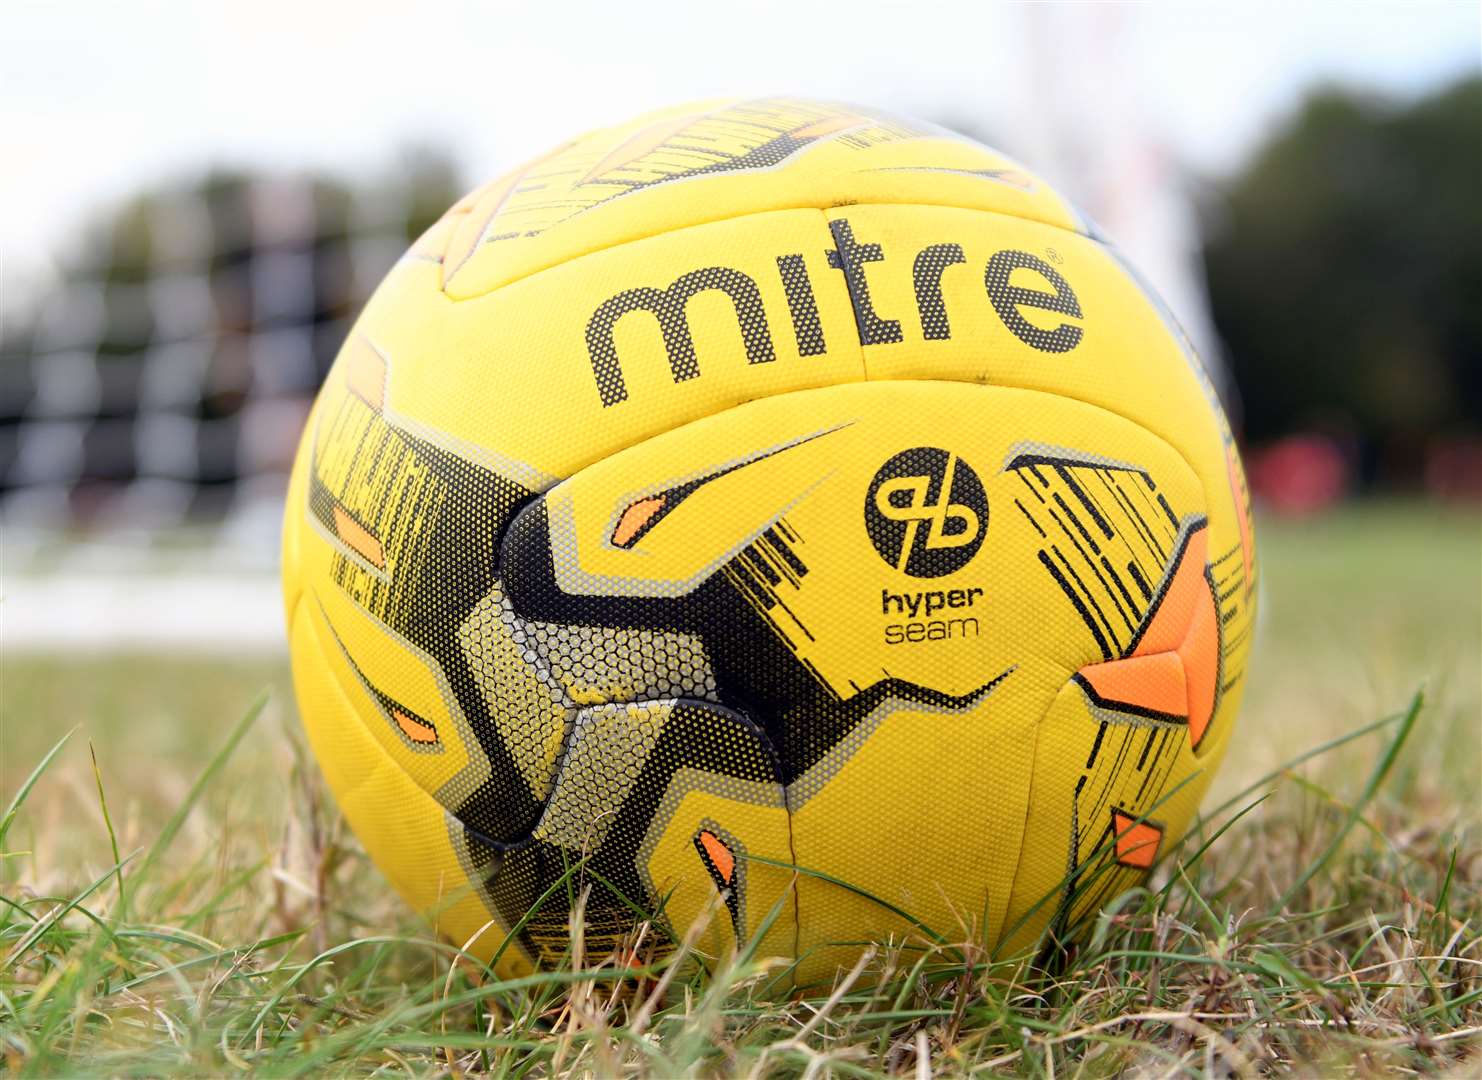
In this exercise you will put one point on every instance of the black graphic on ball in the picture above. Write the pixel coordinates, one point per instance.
(926, 512)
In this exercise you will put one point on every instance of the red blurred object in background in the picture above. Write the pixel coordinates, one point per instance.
(1300, 473)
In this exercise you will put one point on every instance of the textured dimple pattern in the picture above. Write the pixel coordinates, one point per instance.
(610, 744)
(529, 711)
(606, 663)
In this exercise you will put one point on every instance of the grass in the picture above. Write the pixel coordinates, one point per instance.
(183, 900)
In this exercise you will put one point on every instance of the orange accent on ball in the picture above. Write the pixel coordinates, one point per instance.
(1154, 682)
(720, 855)
(419, 731)
(1137, 841)
(1175, 668)
(360, 539)
(635, 518)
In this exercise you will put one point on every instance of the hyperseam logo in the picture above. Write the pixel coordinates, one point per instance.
(926, 512)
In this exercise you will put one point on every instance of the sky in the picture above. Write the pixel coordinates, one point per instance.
(100, 98)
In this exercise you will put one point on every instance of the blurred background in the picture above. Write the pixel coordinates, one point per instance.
(199, 198)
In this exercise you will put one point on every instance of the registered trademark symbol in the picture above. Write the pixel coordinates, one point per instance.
(1054, 256)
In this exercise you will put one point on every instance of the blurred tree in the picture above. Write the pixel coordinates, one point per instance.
(1345, 271)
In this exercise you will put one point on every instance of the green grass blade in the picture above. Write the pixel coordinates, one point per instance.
(524, 920)
(1355, 813)
(25, 789)
(55, 916)
(856, 890)
(214, 766)
(299, 975)
(1307, 755)
(108, 824)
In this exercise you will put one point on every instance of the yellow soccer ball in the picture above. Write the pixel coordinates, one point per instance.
(788, 519)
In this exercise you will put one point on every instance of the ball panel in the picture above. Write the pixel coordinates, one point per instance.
(733, 899)
(404, 696)
(1114, 794)
(528, 370)
(955, 779)
(699, 163)
(406, 833)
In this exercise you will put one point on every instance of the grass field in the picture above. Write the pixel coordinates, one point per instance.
(191, 904)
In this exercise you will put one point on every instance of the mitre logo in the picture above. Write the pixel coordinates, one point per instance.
(926, 512)
(667, 303)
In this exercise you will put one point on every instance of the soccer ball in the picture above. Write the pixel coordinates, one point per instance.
(790, 520)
